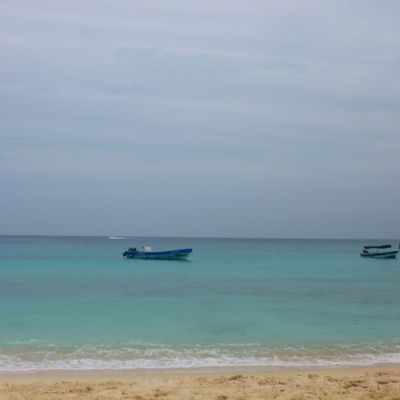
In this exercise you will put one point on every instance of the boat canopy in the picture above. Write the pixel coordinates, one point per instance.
(383, 246)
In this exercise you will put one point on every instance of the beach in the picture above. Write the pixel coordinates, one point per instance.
(199, 200)
(340, 383)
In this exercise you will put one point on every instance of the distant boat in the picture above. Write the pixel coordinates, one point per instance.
(116, 238)
(148, 253)
(382, 251)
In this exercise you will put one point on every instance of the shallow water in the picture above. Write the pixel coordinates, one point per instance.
(74, 302)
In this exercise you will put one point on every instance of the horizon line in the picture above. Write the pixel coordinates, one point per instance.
(197, 237)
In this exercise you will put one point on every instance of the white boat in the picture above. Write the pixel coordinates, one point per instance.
(381, 251)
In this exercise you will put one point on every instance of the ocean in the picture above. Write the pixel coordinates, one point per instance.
(74, 303)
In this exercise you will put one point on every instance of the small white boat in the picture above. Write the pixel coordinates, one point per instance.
(382, 251)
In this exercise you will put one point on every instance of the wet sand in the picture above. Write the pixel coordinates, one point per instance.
(340, 383)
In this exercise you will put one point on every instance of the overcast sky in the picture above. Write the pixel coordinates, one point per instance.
(207, 118)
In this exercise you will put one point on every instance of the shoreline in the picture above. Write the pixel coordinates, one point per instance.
(199, 371)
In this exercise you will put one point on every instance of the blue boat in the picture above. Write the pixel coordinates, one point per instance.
(382, 251)
(148, 253)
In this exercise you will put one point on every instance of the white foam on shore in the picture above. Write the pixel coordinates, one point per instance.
(145, 357)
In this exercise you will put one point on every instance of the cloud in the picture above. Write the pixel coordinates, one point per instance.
(233, 97)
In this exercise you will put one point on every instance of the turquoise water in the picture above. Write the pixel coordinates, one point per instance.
(74, 302)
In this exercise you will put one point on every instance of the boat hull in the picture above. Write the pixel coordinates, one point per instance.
(180, 254)
(386, 254)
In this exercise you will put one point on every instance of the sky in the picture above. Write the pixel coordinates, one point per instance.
(213, 118)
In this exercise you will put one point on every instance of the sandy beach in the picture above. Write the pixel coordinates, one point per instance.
(355, 383)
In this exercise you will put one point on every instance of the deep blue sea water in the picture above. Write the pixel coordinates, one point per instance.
(74, 302)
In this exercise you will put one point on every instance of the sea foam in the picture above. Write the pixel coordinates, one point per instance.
(145, 357)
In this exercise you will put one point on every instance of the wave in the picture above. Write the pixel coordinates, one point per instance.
(144, 357)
